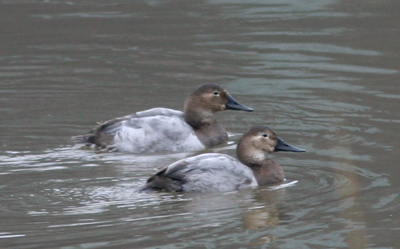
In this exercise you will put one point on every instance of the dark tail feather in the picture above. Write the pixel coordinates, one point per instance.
(147, 188)
(159, 183)
(84, 139)
(79, 139)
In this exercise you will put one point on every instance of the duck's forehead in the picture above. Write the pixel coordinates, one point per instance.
(214, 88)
(259, 130)
(263, 131)
(207, 88)
(211, 86)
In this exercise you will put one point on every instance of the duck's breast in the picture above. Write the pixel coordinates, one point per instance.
(157, 129)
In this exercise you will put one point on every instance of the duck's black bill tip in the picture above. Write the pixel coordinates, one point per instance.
(283, 146)
(234, 105)
(241, 108)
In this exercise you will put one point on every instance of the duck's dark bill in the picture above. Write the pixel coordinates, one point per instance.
(234, 105)
(283, 146)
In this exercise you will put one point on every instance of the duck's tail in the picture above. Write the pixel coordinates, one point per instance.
(147, 188)
(157, 183)
(87, 139)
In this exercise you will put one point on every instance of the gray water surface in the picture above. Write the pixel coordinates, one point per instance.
(323, 74)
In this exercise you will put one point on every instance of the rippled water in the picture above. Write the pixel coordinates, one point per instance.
(323, 74)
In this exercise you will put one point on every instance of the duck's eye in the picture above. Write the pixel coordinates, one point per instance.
(216, 93)
(265, 135)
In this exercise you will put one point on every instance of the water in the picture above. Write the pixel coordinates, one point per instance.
(323, 74)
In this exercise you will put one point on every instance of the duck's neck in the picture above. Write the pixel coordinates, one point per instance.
(265, 170)
(269, 172)
(197, 118)
(209, 131)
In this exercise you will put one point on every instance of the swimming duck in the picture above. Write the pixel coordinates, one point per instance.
(163, 129)
(219, 172)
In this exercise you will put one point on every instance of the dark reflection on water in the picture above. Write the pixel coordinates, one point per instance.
(322, 74)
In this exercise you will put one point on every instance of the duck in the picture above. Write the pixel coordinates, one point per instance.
(216, 172)
(164, 129)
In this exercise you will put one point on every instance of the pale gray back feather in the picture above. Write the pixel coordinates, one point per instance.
(153, 130)
(211, 172)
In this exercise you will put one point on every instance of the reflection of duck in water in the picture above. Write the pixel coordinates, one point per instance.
(162, 129)
(220, 172)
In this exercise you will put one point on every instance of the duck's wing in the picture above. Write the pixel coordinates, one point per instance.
(133, 120)
(204, 173)
(147, 131)
(157, 129)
